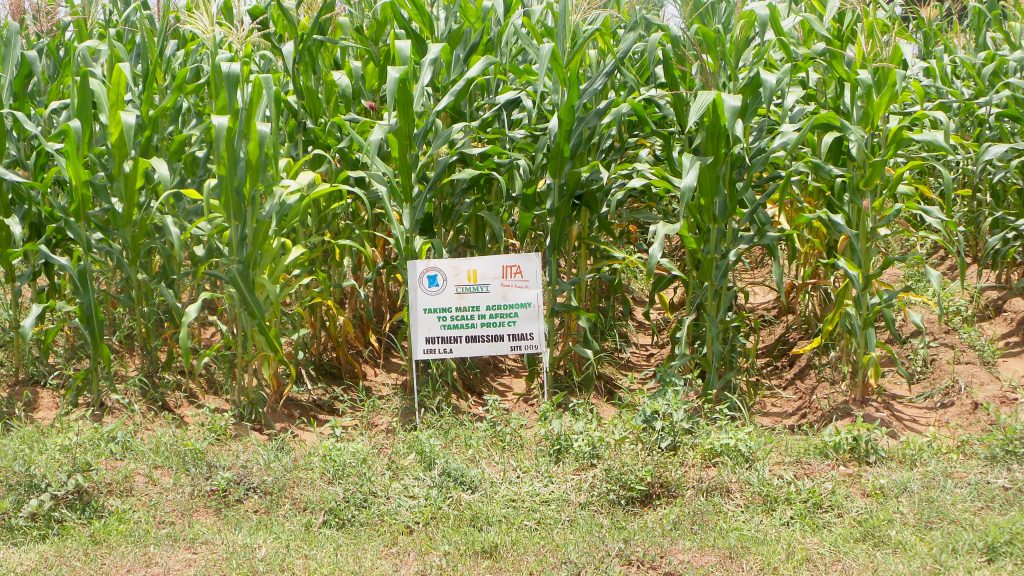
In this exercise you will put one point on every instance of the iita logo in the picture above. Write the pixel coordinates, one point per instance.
(512, 272)
(433, 281)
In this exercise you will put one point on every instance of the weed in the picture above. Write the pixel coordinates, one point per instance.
(667, 419)
(233, 484)
(246, 473)
(11, 413)
(501, 423)
(732, 444)
(575, 435)
(1002, 541)
(216, 426)
(960, 308)
(797, 501)
(1004, 443)
(119, 439)
(919, 364)
(986, 348)
(454, 499)
(445, 475)
(861, 442)
(919, 449)
(631, 479)
(942, 395)
(38, 502)
(354, 485)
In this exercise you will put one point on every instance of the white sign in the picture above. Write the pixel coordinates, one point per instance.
(482, 306)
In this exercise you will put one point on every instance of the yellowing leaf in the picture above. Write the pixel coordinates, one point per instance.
(805, 349)
(917, 298)
(663, 301)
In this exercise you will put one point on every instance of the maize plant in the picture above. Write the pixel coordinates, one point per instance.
(226, 194)
(721, 150)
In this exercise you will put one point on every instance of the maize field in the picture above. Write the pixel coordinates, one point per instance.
(225, 195)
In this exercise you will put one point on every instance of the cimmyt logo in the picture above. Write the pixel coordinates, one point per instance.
(432, 281)
(474, 286)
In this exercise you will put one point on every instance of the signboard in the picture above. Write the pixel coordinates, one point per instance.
(481, 306)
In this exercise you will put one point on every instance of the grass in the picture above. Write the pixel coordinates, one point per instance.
(570, 495)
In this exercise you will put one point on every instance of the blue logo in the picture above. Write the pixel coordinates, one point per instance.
(432, 281)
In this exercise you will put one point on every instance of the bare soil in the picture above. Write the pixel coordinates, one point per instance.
(1005, 325)
(38, 404)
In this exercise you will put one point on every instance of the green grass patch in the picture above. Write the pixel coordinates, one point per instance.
(573, 494)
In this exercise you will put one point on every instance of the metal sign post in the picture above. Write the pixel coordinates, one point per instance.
(479, 306)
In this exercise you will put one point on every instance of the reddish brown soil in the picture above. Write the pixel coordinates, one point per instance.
(35, 403)
(954, 396)
(1006, 326)
(956, 392)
